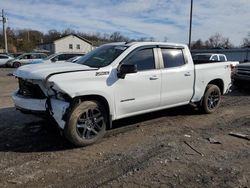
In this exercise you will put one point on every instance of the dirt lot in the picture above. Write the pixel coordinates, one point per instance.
(169, 148)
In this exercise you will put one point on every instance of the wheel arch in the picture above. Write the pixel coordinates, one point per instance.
(15, 62)
(219, 83)
(100, 99)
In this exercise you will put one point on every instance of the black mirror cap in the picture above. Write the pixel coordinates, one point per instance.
(124, 69)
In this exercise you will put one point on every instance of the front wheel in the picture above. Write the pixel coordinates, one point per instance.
(16, 64)
(211, 99)
(86, 123)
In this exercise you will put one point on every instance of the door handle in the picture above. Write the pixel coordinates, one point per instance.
(187, 74)
(153, 78)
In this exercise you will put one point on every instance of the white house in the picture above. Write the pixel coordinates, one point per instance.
(69, 43)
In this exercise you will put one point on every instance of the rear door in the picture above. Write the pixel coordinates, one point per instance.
(26, 59)
(177, 77)
(36, 58)
(140, 91)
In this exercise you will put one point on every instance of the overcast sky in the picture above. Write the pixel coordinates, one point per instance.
(134, 18)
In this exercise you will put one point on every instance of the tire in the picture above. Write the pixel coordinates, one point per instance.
(16, 64)
(86, 123)
(211, 99)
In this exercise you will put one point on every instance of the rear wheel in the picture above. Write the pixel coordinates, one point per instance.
(16, 64)
(86, 123)
(211, 99)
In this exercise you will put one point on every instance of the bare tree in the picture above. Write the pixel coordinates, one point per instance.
(117, 37)
(199, 44)
(246, 41)
(218, 41)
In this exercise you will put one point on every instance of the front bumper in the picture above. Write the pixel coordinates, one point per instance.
(9, 64)
(56, 108)
(29, 104)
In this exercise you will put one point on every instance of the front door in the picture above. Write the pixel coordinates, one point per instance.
(139, 92)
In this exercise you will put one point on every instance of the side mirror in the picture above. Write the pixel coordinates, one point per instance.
(124, 69)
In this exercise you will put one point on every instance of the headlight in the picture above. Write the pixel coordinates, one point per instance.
(55, 92)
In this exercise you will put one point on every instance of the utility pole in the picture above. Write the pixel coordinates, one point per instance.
(190, 24)
(28, 36)
(4, 19)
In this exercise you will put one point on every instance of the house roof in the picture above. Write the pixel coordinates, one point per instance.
(74, 36)
(65, 37)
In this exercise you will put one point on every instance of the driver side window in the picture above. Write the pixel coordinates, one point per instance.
(143, 59)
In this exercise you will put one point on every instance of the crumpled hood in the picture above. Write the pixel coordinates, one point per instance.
(41, 71)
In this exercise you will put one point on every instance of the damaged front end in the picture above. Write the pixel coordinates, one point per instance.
(39, 98)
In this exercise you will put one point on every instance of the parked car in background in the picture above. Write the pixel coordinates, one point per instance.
(208, 57)
(15, 55)
(61, 57)
(241, 75)
(26, 58)
(4, 59)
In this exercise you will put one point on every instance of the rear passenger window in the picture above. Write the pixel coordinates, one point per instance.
(35, 56)
(144, 59)
(172, 57)
(215, 58)
(27, 57)
(222, 58)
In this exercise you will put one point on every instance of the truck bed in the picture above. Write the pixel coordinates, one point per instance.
(204, 73)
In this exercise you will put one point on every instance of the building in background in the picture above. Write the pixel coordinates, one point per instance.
(69, 43)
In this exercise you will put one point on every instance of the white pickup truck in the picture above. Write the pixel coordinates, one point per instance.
(209, 57)
(118, 80)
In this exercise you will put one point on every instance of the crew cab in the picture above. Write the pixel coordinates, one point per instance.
(118, 80)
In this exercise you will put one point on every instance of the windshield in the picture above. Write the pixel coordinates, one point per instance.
(72, 59)
(20, 56)
(102, 56)
(50, 57)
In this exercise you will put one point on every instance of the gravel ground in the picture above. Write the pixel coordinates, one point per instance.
(170, 148)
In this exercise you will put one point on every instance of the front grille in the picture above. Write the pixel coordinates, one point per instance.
(31, 90)
(243, 71)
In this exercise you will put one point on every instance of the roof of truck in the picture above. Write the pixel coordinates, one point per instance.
(208, 54)
(147, 44)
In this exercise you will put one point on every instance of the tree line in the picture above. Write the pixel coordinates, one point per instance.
(25, 40)
(218, 41)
